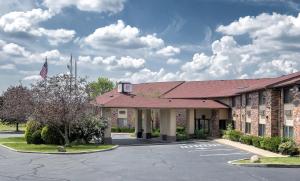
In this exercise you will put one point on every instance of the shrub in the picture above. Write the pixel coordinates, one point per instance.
(88, 128)
(232, 134)
(200, 134)
(288, 148)
(51, 136)
(181, 136)
(270, 143)
(122, 130)
(256, 141)
(246, 139)
(155, 133)
(31, 127)
(36, 137)
(180, 130)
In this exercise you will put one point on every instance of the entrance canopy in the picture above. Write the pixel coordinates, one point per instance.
(119, 100)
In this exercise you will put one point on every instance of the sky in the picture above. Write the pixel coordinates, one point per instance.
(147, 41)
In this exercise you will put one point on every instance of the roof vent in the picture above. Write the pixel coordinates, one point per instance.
(124, 87)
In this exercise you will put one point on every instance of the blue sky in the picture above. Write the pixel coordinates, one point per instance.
(145, 41)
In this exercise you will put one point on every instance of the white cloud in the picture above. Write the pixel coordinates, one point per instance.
(173, 61)
(28, 23)
(8, 67)
(15, 50)
(120, 35)
(273, 50)
(168, 51)
(112, 62)
(16, 5)
(111, 6)
(18, 21)
(32, 78)
(146, 75)
(58, 36)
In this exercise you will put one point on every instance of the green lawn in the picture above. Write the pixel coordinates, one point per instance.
(11, 127)
(277, 160)
(18, 143)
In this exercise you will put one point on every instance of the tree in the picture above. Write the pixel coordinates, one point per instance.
(17, 105)
(58, 102)
(101, 86)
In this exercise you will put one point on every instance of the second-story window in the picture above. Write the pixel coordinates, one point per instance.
(233, 101)
(262, 97)
(287, 95)
(248, 100)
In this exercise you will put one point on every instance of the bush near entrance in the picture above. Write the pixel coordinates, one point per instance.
(122, 130)
(275, 144)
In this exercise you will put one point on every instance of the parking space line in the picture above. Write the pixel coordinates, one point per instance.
(221, 149)
(225, 154)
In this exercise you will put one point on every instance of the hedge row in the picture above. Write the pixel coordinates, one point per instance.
(275, 144)
(122, 130)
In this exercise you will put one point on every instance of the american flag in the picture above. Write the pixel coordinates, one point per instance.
(44, 70)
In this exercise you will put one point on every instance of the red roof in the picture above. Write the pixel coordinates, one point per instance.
(214, 88)
(132, 101)
(191, 94)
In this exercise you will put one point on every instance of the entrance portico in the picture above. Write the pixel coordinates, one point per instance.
(200, 114)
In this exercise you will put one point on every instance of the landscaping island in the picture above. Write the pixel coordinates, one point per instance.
(273, 160)
(19, 144)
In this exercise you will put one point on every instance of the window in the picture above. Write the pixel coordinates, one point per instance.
(261, 129)
(248, 100)
(122, 112)
(288, 131)
(233, 102)
(262, 113)
(248, 128)
(248, 114)
(288, 114)
(262, 97)
(122, 122)
(287, 95)
(236, 101)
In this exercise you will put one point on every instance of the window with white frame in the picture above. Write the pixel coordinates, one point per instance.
(261, 129)
(288, 114)
(248, 128)
(287, 95)
(288, 131)
(262, 97)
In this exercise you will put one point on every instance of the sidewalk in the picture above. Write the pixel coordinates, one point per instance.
(249, 148)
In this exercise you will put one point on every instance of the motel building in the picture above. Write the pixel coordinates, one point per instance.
(261, 107)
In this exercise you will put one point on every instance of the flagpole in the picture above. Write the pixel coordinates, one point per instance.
(75, 62)
(46, 76)
(71, 74)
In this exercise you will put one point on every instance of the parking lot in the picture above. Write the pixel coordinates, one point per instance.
(205, 161)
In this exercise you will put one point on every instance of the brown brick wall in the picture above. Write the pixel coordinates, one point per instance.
(272, 112)
(296, 115)
(254, 113)
(243, 113)
(181, 117)
(114, 117)
(215, 123)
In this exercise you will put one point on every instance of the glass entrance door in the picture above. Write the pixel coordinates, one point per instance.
(203, 124)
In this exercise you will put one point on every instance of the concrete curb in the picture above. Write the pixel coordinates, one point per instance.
(166, 143)
(249, 148)
(61, 153)
(265, 165)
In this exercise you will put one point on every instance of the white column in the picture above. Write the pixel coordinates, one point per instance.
(146, 123)
(190, 121)
(106, 113)
(168, 124)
